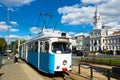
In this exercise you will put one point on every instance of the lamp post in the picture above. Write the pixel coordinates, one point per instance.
(83, 38)
(8, 21)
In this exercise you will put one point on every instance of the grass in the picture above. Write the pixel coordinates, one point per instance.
(106, 61)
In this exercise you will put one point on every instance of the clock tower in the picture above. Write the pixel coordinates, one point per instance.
(97, 20)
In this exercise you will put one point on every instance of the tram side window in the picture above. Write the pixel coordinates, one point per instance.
(35, 47)
(29, 47)
(20, 48)
(41, 44)
(44, 47)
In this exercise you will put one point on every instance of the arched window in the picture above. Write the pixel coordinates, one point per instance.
(103, 40)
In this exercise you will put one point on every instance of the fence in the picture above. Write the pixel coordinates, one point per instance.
(93, 67)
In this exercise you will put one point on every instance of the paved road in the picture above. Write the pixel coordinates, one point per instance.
(99, 70)
(20, 71)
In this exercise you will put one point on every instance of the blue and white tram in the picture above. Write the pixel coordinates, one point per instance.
(49, 54)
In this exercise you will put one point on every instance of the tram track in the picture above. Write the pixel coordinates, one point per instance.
(65, 76)
(68, 76)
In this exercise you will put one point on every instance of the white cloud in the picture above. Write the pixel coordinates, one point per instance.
(76, 14)
(35, 30)
(71, 33)
(93, 1)
(14, 30)
(113, 25)
(13, 23)
(4, 27)
(16, 37)
(86, 34)
(16, 2)
(12, 38)
(27, 37)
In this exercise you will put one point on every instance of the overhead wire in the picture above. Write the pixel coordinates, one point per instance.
(48, 14)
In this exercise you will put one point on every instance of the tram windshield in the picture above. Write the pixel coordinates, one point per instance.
(61, 47)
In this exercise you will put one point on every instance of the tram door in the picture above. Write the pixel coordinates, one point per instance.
(26, 52)
(44, 55)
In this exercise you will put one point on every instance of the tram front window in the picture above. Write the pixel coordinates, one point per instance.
(61, 47)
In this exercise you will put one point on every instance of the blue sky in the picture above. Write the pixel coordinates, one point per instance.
(71, 16)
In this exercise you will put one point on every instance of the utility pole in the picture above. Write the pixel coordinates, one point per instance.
(8, 23)
(83, 36)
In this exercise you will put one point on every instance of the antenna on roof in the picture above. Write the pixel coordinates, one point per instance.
(55, 26)
(43, 15)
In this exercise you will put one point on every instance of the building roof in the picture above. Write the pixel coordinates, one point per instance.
(116, 32)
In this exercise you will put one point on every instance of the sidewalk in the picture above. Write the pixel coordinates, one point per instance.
(20, 71)
(85, 71)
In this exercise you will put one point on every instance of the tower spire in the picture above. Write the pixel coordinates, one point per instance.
(97, 19)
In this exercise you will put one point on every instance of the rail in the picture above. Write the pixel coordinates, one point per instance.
(93, 67)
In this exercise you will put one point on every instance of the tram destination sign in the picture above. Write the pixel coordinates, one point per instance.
(63, 39)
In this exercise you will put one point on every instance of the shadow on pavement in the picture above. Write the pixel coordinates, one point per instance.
(1, 74)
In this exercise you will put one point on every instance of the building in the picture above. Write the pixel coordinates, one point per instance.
(82, 42)
(102, 38)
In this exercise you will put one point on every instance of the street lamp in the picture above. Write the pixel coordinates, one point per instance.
(8, 21)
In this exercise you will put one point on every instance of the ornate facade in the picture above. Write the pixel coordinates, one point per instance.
(101, 39)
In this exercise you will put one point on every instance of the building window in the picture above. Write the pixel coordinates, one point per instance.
(106, 41)
(113, 47)
(103, 40)
(99, 41)
(109, 47)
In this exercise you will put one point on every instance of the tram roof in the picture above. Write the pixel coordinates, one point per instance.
(48, 35)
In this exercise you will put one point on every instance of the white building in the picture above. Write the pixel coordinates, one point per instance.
(101, 38)
(82, 42)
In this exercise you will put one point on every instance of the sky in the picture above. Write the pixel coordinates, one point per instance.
(27, 17)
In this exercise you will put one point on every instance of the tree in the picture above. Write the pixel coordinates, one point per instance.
(3, 44)
(14, 44)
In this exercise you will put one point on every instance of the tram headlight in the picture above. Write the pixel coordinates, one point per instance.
(64, 62)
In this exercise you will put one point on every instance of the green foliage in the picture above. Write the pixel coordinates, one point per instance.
(92, 52)
(14, 44)
(105, 61)
(3, 44)
(22, 41)
(118, 52)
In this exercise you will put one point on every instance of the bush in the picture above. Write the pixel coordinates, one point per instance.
(118, 52)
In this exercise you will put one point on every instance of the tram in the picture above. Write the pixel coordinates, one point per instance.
(49, 53)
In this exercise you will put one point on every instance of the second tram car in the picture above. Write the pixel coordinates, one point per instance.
(49, 54)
